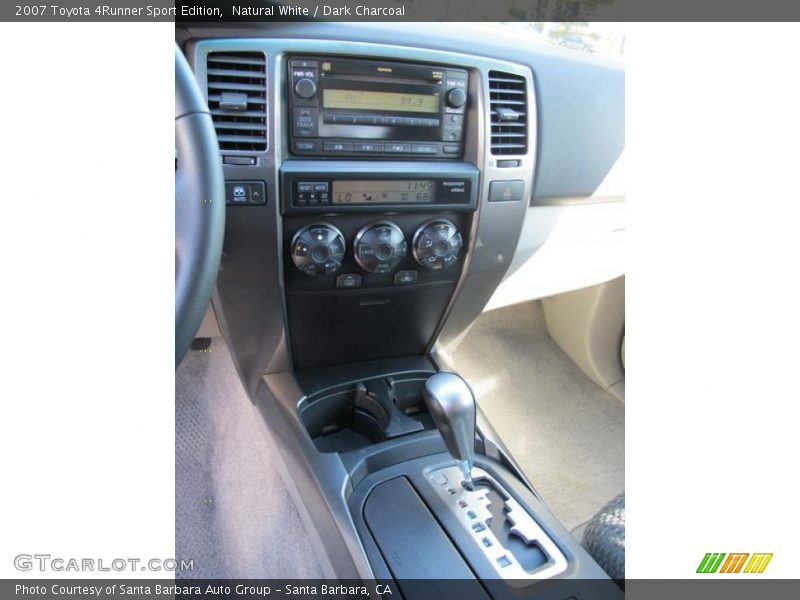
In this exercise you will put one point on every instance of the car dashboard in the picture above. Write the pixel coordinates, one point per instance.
(380, 189)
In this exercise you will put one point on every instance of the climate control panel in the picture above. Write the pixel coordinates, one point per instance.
(361, 251)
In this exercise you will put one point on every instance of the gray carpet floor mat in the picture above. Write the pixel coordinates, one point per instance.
(566, 432)
(233, 514)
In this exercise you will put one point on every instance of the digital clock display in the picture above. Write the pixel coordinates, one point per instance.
(417, 191)
(381, 101)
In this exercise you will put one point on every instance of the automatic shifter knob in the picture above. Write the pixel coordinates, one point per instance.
(452, 406)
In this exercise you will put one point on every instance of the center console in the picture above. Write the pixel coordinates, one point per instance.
(376, 198)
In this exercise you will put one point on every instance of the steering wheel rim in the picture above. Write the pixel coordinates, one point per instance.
(199, 206)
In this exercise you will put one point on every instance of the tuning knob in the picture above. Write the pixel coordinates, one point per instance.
(437, 244)
(318, 249)
(380, 247)
(456, 98)
(305, 88)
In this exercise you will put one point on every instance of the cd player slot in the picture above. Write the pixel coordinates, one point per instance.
(378, 79)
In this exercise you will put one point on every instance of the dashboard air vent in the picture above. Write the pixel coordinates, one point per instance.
(237, 97)
(509, 113)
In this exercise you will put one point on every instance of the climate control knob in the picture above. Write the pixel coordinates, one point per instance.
(318, 249)
(380, 247)
(437, 244)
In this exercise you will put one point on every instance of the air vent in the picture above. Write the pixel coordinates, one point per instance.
(509, 113)
(237, 97)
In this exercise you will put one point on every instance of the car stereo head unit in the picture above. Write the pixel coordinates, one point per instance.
(350, 107)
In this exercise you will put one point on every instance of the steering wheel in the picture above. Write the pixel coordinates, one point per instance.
(199, 206)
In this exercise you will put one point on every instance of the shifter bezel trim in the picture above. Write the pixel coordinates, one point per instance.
(470, 507)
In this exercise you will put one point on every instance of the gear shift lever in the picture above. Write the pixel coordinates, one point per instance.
(452, 406)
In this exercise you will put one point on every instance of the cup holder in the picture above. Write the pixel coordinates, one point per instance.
(345, 420)
(353, 417)
(407, 397)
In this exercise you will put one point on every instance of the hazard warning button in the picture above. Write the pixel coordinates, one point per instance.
(506, 191)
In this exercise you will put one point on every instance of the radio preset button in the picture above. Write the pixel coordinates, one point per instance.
(368, 147)
(345, 119)
(451, 149)
(337, 147)
(424, 149)
(398, 148)
(394, 121)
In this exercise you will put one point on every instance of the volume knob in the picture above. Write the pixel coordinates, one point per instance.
(305, 88)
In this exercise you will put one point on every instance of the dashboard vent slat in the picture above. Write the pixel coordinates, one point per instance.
(508, 113)
(243, 74)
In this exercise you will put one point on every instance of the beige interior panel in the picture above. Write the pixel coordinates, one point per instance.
(589, 325)
(209, 328)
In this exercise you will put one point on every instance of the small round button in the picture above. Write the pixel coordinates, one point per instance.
(456, 98)
(379, 247)
(318, 249)
(305, 88)
(437, 244)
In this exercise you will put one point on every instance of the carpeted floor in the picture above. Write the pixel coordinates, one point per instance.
(566, 432)
(233, 513)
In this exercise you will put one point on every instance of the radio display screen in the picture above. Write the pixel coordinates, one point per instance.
(363, 100)
(383, 192)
